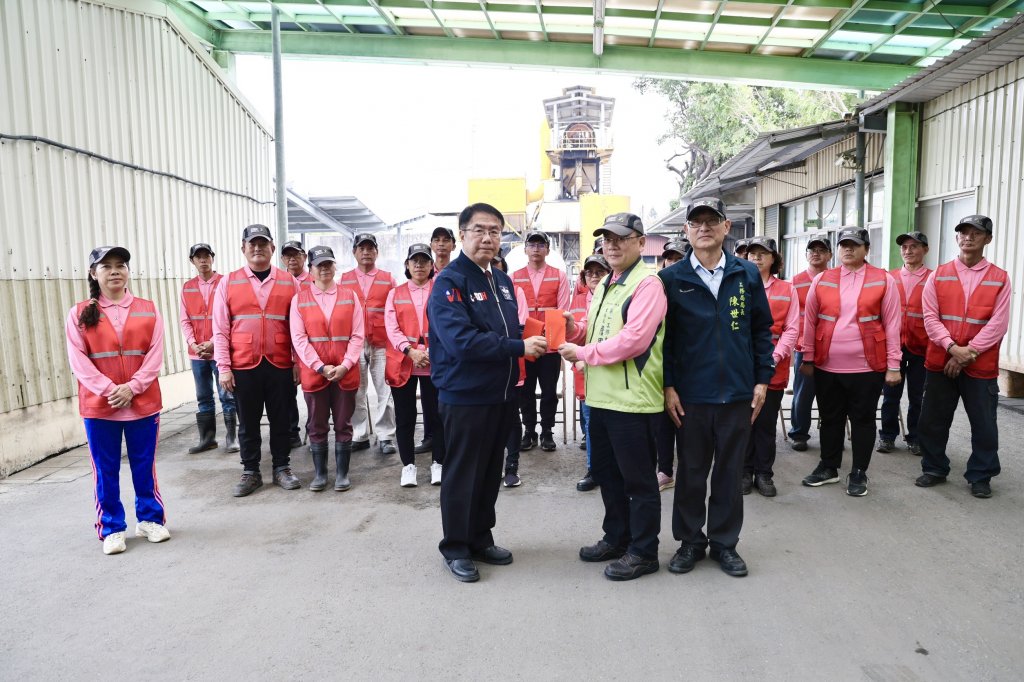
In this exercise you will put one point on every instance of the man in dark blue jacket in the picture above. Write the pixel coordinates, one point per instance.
(475, 346)
(718, 362)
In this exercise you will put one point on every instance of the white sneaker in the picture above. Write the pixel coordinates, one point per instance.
(435, 473)
(409, 476)
(153, 532)
(114, 543)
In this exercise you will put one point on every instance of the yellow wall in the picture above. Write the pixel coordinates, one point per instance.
(595, 207)
(508, 195)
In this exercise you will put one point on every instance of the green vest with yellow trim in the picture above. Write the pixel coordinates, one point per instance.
(635, 385)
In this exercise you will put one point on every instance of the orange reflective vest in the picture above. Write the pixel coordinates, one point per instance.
(869, 315)
(546, 298)
(198, 310)
(801, 285)
(965, 320)
(256, 332)
(305, 281)
(373, 304)
(781, 298)
(119, 360)
(578, 308)
(398, 367)
(328, 338)
(913, 336)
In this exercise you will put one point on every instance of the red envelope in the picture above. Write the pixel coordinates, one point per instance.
(533, 327)
(554, 328)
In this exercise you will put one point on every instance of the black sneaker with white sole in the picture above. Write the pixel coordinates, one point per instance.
(857, 483)
(820, 476)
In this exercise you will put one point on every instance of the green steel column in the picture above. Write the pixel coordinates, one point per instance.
(902, 151)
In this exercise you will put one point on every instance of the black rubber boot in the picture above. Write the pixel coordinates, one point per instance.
(230, 432)
(342, 456)
(319, 453)
(207, 422)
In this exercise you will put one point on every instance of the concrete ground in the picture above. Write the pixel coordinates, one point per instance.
(904, 584)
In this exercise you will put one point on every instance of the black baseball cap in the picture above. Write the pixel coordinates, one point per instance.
(101, 252)
(596, 259)
(294, 245)
(741, 244)
(711, 203)
(321, 254)
(599, 244)
(819, 239)
(442, 231)
(857, 235)
(420, 250)
(196, 248)
(766, 243)
(257, 231)
(674, 246)
(915, 235)
(621, 225)
(537, 236)
(981, 222)
(362, 238)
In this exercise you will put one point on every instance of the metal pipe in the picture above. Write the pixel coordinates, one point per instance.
(858, 177)
(282, 199)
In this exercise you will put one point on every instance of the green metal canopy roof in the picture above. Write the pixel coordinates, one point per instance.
(855, 44)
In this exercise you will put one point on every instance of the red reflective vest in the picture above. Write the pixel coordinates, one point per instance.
(258, 333)
(120, 360)
(869, 315)
(398, 367)
(198, 310)
(913, 337)
(965, 320)
(547, 298)
(802, 285)
(373, 304)
(780, 300)
(578, 308)
(305, 281)
(328, 339)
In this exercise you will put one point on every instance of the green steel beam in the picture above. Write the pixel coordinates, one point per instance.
(837, 23)
(902, 136)
(969, 24)
(194, 21)
(483, 7)
(903, 25)
(385, 16)
(540, 18)
(616, 59)
(775, 22)
(337, 16)
(657, 18)
(714, 22)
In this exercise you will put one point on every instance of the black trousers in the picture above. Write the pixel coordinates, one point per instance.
(475, 438)
(293, 416)
(623, 461)
(515, 439)
(847, 396)
(981, 399)
(405, 417)
(714, 441)
(670, 440)
(264, 387)
(912, 373)
(761, 448)
(543, 370)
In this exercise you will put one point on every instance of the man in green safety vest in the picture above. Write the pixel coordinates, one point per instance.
(622, 356)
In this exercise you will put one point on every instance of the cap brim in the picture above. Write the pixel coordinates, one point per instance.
(323, 259)
(976, 227)
(428, 256)
(705, 208)
(822, 242)
(905, 237)
(259, 236)
(616, 231)
(116, 251)
(198, 251)
(855, 240)
(291, 248)
(365, 241)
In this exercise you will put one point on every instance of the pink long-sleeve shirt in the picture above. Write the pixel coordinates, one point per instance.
(998, 323)
(222, 316)
(366, 279)
(300, 339)
(846, 354)
(206, 290)
(397, 338)
(646, 311)
(95, 381)
(564, 290)
(790, 328)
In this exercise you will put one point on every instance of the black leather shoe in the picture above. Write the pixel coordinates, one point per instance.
(601, 551)
(250, 481)
(386, 447)
(981, 489)
(685, 558)
(730, 562)
(630, 567)
(358, 445)
(286, 479)
(464, 570)
(929, 480)
(586, 484)
(547, 443)
(296, 441)
(799, 445)
(426, 445)
(746, 484)
(529, 442)
(494, 555)
(765, 485)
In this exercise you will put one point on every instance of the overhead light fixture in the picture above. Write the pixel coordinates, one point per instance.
(598, 28)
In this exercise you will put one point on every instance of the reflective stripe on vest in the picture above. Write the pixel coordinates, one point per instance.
(259, 332)
(198, 309)
(546, 298)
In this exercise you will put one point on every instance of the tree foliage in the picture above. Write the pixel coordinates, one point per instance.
(711, 122)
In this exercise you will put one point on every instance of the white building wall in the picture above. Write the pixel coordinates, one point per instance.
(117, 129)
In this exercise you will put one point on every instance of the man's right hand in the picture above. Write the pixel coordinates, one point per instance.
(227, 380)
(674, 407)
(535, 346)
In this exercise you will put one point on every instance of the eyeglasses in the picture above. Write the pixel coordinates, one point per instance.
(710, 222)
(617, 241)
(594, 274)
(536, 245)
(481, 232)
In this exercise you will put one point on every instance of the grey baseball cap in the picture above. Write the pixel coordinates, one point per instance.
(362, 238)
(981, 222)
(915, 235)
(420, 250)
(711, 203)
(821, 239)
(196, 248)
(101, 252)
(674, 246)
(292, 245)
(621, 225)
(321, 254)
(257, 231)
(857, 235)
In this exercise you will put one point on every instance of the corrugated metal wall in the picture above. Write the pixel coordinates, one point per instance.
(973, 137)
(125, 85)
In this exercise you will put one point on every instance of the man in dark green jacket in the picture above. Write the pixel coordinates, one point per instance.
(718, 362)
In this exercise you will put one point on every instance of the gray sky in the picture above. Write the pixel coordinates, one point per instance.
(406, 138)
